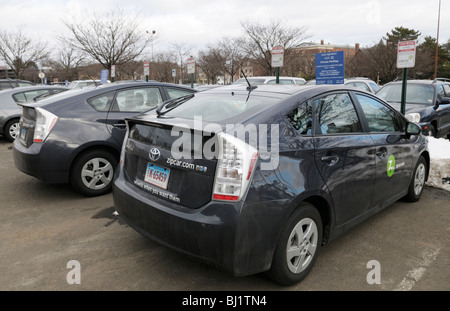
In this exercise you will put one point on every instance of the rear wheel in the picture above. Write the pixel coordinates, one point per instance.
(93, 172)
(298, 247)
(418, 181)
(12, 130)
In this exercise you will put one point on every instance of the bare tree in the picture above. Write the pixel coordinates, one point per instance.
(67, 63)
(20, 52)
(164, 66)
(181, 52)
(212, 63)
(262, 38)
(111, 39)
(233, 55)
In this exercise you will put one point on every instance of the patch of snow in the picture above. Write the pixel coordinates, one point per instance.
(439, 176)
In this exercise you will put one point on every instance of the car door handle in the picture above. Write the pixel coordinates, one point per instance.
(330, 160)
(120, 125)
(381, 153)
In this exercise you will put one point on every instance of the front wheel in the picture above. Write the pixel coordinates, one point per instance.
(298, 247)
(92, 173)
(417, 183)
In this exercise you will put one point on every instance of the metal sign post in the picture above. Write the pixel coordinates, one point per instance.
(113, 72)
(277, 60)
(146, 70)
(191, 69)
(406, 58)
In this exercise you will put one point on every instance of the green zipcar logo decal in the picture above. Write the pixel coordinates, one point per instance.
(390, 168)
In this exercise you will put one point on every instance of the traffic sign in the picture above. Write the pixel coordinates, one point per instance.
(277, 56)
(330, 68)
(406, 54)
(190, 65)
(146, 68)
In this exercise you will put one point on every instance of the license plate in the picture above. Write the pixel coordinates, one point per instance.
(158, 176)
(23, 133)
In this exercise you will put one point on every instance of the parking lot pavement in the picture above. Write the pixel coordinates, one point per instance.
(53, 238)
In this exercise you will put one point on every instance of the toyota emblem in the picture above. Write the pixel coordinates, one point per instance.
(154, 154)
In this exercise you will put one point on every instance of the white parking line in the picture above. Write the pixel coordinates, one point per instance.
(414, 275)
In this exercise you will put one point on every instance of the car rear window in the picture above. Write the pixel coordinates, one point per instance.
(220, 107)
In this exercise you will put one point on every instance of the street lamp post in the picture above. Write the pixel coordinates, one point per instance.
(153, 61)
(153, 66)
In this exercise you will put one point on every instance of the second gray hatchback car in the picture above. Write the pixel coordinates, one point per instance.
(10, 111)
(77, 136)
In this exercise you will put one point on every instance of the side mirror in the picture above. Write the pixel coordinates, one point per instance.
(413, 128)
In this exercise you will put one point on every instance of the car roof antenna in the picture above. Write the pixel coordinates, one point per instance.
(249, 87)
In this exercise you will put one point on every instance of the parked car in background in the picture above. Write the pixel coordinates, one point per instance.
(276, 172)
(362, 83)
(269, 80)
(10, 111)
(12, 83)
(427, 103)
(79, 84)
(204, 87)
(77, 136)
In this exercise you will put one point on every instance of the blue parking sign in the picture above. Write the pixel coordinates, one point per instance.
(104, 76)
(330, 68)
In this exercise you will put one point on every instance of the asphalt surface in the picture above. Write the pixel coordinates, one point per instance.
(43, 228)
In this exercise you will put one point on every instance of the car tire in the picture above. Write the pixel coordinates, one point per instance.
(12, 130)
(417, 183)
(93, 172)
(298, 246)
(432, 131)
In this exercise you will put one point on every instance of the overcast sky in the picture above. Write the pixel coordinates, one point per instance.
(199, 22)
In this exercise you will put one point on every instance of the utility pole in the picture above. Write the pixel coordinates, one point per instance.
(437, 42)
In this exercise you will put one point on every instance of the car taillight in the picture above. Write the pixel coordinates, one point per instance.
(45, 121)
(124, 145)
(235, 167)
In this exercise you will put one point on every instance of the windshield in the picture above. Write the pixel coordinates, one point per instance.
(220, 107)
(415, 93)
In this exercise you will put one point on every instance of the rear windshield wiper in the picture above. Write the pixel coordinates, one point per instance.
(173, 103)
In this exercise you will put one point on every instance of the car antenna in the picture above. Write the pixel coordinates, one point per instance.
(249, 87)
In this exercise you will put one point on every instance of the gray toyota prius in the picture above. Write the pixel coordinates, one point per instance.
(75, 137)
(257, 178)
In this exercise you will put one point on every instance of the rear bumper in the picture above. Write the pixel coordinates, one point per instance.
(231, 236)
(36, 162)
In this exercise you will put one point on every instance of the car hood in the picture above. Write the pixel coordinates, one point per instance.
(413, 108)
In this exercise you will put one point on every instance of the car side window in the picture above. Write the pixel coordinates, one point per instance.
(335, 113)
(440, 92)
(137, 99)
(301, 119)
(379, 117)
(101, 102)
(175, 93)
(362, 86)
(447, 90)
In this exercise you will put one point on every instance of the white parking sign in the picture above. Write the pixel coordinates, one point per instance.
(406, 54)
